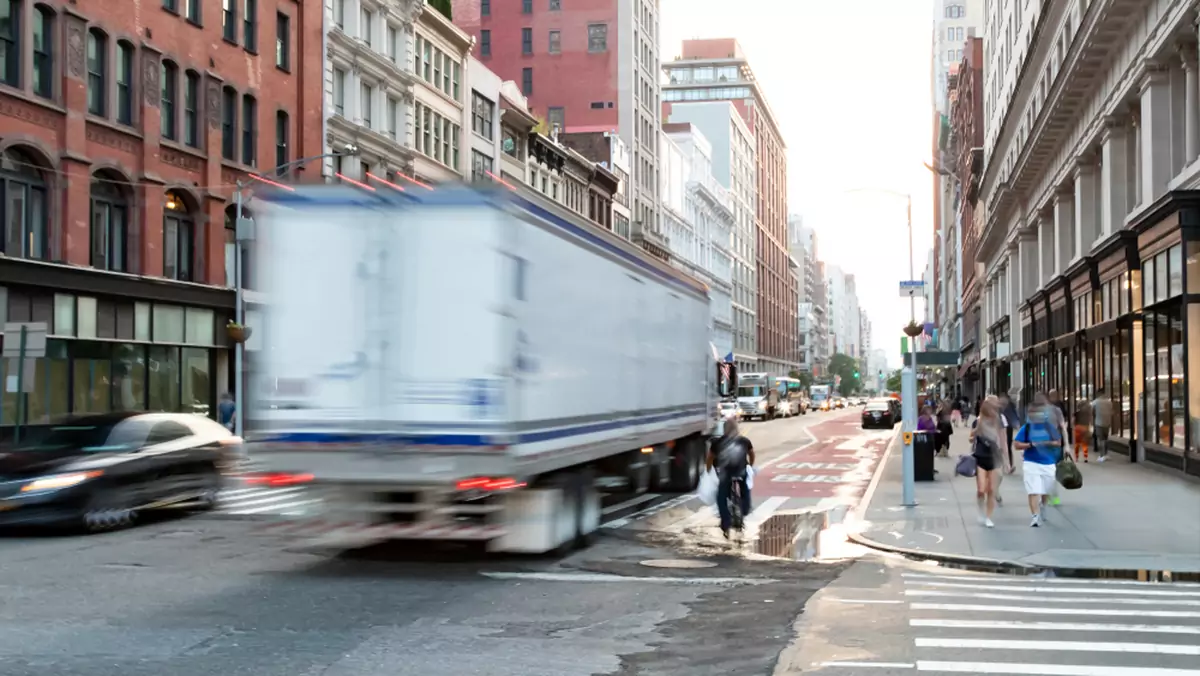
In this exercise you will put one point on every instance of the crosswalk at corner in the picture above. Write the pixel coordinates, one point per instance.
(994, 624)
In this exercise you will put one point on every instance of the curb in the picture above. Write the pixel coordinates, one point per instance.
(1000, 566)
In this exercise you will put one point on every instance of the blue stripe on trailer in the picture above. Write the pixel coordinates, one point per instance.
(467, 439)
(338, 196)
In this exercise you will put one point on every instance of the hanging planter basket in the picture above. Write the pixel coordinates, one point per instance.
(913, 330)
(237, 333)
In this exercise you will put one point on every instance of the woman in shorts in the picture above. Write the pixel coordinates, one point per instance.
(987, 446)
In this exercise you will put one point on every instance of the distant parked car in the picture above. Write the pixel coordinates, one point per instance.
(100, 471)
(879, 413)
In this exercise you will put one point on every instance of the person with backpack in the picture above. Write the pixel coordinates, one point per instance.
(1041, 443)
(987, 447)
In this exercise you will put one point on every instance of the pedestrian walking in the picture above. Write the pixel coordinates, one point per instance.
(987, 446)
(1058, 412)
(1012, 422)
(225, 410)
(956, 413)
(1102, 413)
(1041, 442)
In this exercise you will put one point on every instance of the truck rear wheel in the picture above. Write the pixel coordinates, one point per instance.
(687, 465)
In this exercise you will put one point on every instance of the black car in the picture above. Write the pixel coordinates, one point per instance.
(99, 471)
(879, 413)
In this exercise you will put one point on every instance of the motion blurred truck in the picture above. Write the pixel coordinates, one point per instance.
(458, 364)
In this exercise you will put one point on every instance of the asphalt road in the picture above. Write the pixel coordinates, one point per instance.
(203, 595)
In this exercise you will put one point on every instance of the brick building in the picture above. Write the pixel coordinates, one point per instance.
(966, 153)
(126, 127)
(718, 69)
(585, 66)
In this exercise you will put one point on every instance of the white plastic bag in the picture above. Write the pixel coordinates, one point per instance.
(750, 472)
(707, 489)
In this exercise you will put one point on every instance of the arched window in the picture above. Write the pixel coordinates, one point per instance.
(43, 51)
(23, 206)
(170, 95)
(179, 229)
(97, 66)
(110, 223)
(231, 244)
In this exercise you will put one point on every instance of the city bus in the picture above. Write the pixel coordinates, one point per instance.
(792, 400)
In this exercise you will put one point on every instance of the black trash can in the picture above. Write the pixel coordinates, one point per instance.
(924, 448)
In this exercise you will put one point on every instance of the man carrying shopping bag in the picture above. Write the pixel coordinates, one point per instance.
(732, 456)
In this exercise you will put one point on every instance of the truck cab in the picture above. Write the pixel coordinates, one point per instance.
(758, 396)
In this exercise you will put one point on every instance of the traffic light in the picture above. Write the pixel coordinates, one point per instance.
(856, 374)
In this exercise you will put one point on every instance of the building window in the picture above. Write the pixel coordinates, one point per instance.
(10, 43)
(124, 83)
(427, 55)
(96, 45)
(482, 112)
(250, 25)
(191, 109)
(110, 223)
(228, 123)
(555, 43)
(229, 24)
(527, 6)
(555, 5)
(454, 81)
(391, 43)
(192, 10)
(171, 6)
(281, 142)
(367, 102)
(249, 130)
(481, 166)
(556, 118)
(597, 37)
(526, 41)
(339, 13)
(527, 81)
(170, 87)
(339, 92)
(485, 7)
(485, 42)
(283, 41)
(393, 114)
(43, 52)
(178, 228)
(364, 25)
(23, 206)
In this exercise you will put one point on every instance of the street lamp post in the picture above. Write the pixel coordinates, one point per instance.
(244, 233)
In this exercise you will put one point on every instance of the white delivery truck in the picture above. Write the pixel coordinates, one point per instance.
(758, 396)
(468, 365)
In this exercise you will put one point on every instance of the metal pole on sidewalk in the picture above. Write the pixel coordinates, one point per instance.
(908, 416)
(239, 316)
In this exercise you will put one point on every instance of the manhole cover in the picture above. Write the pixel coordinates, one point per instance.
(678, 563)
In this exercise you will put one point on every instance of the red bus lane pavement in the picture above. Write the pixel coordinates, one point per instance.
(829, 472)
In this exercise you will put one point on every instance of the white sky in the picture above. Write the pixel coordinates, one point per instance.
(849, 81)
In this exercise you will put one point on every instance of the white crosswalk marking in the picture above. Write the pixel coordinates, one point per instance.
(971, 629)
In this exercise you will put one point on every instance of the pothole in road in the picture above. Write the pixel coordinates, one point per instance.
(678, 563)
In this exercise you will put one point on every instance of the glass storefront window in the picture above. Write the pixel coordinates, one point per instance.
(164, 378)
(129, 377)
(1193, 367)
(46, 399)
(91, 368)
(1193, 269)
(1148, 286)
(1175, 267)
(199, 326)
(168, 324)
(1164, 377)
(86, 318)
(64, 315)
(1160, 276)
(197, 381)
(141, 322)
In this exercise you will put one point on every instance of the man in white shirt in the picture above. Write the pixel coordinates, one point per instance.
(1102, 413)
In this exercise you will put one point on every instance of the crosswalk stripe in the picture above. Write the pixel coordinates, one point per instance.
(1055, 626)
(1019, 581)
(1051, 599)
(985, 608)
(1047, 669)
(1063, 590)
(1088, 646)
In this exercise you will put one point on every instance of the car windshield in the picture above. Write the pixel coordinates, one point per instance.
(99, 438)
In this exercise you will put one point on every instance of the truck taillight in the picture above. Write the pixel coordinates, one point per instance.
(279, 479)
(481, 483)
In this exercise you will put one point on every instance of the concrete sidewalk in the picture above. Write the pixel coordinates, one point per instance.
(1127, 519)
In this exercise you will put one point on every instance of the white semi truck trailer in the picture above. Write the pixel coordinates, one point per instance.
(458, 364)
